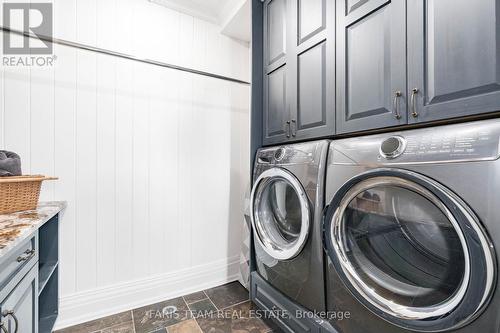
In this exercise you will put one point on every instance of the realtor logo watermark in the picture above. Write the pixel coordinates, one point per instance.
(34, 46)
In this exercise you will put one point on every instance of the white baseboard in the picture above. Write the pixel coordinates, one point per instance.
(97, 303)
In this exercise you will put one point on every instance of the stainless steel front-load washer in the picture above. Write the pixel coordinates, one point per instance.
(412, 230)
(286, 203)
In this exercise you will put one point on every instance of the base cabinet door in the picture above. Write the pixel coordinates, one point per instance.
(371, 64)
(19, 311)
(453, 58)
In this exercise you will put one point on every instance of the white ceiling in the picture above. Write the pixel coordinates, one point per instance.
(233, 16)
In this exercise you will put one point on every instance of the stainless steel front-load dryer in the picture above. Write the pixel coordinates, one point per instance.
(286, 208)
(412, 230)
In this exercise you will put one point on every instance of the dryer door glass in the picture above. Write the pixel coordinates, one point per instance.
(410, 250)
(403, 247)
(280, 213)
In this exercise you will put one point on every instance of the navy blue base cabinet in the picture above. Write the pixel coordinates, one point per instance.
(48, 275)
(29, 283)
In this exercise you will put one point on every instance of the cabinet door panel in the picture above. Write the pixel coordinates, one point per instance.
(454, 57)
(357, 9)
(312, 80)
(276, 113)
(312, 18)
(23, 302)
(312, 88)
(372, 70)
(352, 5)
(275, 34)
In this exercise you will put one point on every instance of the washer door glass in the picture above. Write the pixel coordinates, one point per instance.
(280, 213)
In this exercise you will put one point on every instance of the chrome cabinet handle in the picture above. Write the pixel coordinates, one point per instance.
(2, 327)
(288, 129)
(28, 255)
(11, 313)
(294, 128)
(414, 112)
(397, 95)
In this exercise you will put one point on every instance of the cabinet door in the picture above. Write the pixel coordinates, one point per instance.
(453, 58)
(21, 306)
(371, 64)
(276, 110)
(312, 68)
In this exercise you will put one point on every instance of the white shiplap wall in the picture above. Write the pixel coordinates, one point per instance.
(152, 162)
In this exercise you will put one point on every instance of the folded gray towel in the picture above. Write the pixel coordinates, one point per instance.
(10, 164)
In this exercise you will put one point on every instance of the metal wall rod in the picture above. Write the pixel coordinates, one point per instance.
(120, 55)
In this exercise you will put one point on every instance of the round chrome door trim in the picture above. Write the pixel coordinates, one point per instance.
(480, 270)
(384, 304)
(486, 245)
(264, 180)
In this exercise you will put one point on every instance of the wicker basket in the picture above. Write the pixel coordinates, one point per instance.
(20, 193)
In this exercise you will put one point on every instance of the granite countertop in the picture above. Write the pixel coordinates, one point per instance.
(16, 227)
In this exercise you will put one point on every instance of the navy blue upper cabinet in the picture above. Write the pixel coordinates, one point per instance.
(371, 64)
(299, 73)
(276, 111)
(312, 57)
(453, 58)
(346, 66)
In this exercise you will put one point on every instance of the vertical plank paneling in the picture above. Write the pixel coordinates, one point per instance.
(124, 156)
(65, 19)
(105, 155)
(86, 132)
(125, 26)
(140, 176)
(86, 18)
(142, 26)
(170, 116)
(186, 144)
(42, 127)
(133, 144)
(224, 178)
(160, 151)
(17, 113)
(65, 139)
(167, 201)
(106, 24)
(200, 44)
(86, 170)
(106, 136)
(213, 53)
(200, 197)
(65, 160)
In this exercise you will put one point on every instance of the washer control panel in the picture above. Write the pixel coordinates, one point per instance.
(289, 154)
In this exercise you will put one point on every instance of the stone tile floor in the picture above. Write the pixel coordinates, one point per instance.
(223, 309)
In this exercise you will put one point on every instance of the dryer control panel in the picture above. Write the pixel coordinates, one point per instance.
(475, 141)
(455, 145)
